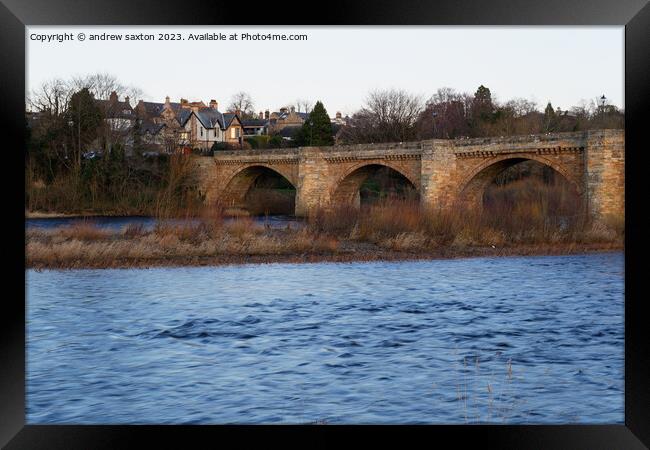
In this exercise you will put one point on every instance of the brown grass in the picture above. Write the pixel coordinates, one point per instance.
(84, 231)
(518, 214)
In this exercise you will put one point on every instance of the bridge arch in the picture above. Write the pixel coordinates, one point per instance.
(346, 189)
(235, 193)
(474, 184)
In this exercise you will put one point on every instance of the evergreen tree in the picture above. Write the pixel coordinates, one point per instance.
(482, 105)
(317, 129)
(550, 118)
(86, 118)
(482, 109)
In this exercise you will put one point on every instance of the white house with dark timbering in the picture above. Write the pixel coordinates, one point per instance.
(203, 126)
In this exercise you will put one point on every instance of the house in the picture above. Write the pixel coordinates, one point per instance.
(159, 112)
(120, 119)
(203, 126)
(286, 117)
(119, 114)
(159, 124)
(156, 137)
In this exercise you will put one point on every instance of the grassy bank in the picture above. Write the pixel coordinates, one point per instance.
(390, 230)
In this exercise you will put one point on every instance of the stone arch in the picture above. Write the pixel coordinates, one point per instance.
(473, 185)
(239, 184)
(346, 188)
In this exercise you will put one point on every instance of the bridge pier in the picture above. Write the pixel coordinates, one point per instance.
(312, 190)
(605, 174)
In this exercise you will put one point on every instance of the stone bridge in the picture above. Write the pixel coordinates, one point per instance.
(444, 172)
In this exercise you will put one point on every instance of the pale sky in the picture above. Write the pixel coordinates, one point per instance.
(341, 65)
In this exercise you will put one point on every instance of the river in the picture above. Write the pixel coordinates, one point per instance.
(499, 340)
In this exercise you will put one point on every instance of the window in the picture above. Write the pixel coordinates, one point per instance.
(215, 132)
(201, 130)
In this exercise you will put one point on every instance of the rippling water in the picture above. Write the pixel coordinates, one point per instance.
(515, 340)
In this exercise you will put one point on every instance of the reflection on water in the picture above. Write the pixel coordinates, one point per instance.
(148, 223)
(516, 340)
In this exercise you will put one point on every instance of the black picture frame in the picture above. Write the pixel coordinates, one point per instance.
(633, 14)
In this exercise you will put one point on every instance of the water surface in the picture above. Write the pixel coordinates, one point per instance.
(117, 223)
(514, 340)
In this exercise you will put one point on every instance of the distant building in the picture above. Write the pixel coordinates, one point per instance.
(158, 112)
(256, 127)
(202, 126)
(339, 119)
(120, 119)
(119, 114)
(286, 117)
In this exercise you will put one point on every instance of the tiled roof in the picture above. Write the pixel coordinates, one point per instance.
(183, 115)
(155, 109)
(116, 110)
(284, 115)
(209, 117)
(150, 127)
(255, 122)
(228, 118)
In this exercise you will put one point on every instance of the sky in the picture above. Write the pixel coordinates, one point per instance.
(341, 65)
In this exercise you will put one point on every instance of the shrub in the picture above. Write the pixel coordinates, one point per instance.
(217, 146)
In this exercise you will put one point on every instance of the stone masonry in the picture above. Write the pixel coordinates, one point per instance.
(444, 172)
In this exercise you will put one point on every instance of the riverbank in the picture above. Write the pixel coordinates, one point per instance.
(243, 242)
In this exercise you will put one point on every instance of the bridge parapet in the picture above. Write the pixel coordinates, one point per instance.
(574, 136)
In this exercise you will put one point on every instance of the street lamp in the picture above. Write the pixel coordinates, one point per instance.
(602, 101)
(311, 132)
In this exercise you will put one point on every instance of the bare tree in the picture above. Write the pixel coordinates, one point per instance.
(243, 102)
(388, 116)
(101, 85)
(51, 97)
(304, 105)
(446, 115)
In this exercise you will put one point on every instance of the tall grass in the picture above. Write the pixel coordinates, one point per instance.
(518, 213)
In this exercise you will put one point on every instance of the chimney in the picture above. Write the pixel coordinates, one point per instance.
(338, 114)
(167, 100)
(293, 109)
(184, 103)
(214, 104)
(260, 115)
(126, 100)
(113, 97)
(238, 112)
(267, 115)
